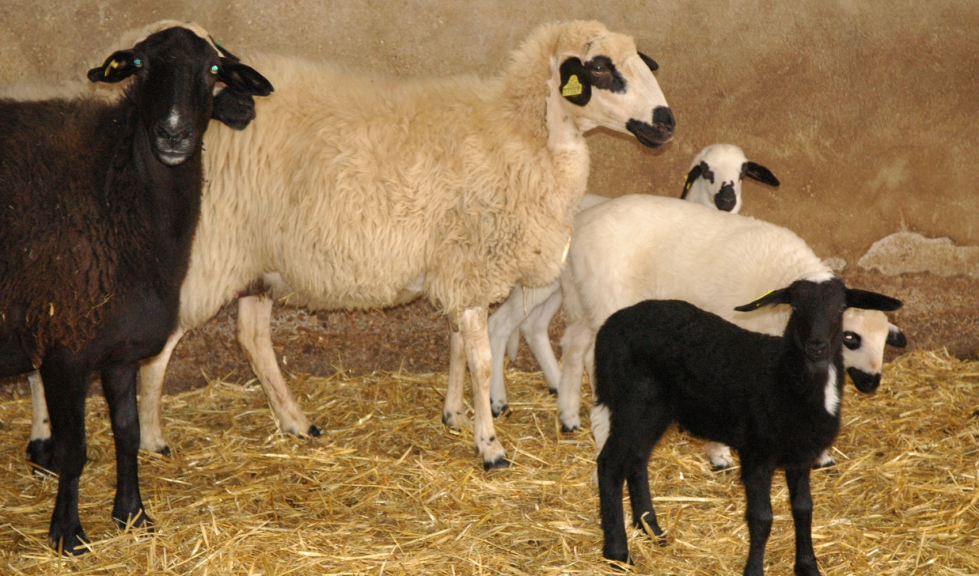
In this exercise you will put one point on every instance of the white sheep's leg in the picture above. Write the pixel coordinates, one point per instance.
(454, 411)
(475, 338)
(719, 455)
(575, 343)
(825, 459)
(151, 374)
(512, 346)
(534, 329)
(254, 321)
(503, 324)
(40, 450)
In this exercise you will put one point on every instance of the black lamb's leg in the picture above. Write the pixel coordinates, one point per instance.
(800, 497)
(66, 383)
(649, 428)
(757, 480)
(612, 471)
(119, 386)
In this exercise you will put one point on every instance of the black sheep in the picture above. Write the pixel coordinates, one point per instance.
(774, 399)
(99, 204)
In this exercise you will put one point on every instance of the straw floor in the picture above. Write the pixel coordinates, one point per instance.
(387, 490)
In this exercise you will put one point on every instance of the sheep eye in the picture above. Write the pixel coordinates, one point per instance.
(599, 69)
(851, 340)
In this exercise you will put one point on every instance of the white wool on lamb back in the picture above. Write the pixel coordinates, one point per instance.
(743, 271)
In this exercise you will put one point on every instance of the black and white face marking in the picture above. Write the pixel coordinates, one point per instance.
(716, 175)
(851, 340)
(610, 85)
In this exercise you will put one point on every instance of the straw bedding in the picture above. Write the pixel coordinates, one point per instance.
(387, 490)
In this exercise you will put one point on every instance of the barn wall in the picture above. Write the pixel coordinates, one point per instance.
(865, 109)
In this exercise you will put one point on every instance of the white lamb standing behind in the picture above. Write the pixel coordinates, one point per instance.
(714, 179)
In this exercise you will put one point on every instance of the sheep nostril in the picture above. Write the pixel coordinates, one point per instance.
(663, 118)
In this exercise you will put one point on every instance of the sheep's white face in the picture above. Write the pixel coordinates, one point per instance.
(612, 85)
(716, 174)
(866, 332)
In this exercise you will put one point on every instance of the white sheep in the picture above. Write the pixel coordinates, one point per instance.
(360, 191)
(714, 180)
(666, 248)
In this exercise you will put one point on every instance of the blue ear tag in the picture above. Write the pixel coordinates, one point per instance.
(214, 69)
(138, 63)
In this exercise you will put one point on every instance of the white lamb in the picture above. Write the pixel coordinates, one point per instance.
(360, 191)
(714, 180)
(636, 248)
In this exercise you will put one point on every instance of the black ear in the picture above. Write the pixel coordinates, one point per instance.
(116, 68)
(895, 337)
(243, 79)
(234, 109)
(871, 301)
(780, 296)
(575, 83)
(223, 51)
(759, 173)
(649, 62)
(692, 175)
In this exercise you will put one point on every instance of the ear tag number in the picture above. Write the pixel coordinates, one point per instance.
(573, 87)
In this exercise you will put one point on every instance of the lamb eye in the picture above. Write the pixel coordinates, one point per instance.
(599, 69)
(851, 340)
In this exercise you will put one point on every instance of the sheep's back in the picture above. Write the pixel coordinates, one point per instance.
(650, 247)
(351, 186)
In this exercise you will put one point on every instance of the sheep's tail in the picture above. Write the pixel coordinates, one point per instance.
(600, 416)
(599, 430)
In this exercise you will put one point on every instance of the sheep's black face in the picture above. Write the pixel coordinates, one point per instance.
(176, 71)
(175, 86)
(817, 318)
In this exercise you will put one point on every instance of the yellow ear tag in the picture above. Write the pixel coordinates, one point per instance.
(573, 87)
(686, 183)
(112, 65)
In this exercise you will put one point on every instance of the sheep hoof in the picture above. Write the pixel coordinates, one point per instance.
(71, 543)
(165, 451)
(721, 467)
(553, 391)
(40, 454)
(618, 560)
(141, 521)
(314, 431)
(500, 462)
(565, 429)
(502, 410)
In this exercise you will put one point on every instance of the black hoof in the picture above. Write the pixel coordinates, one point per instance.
(142, 521)
(40, 454)
(70, 544)
(496, 413)
(165, 451)
(720, 468)
(620, 561)
(314, 431)
(553, 391)
(566, 430)
(500, 462)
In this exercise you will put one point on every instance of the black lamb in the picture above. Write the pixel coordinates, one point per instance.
(776, 400)
(98, 205)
